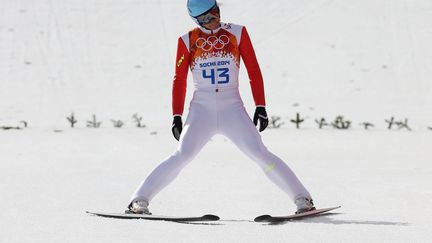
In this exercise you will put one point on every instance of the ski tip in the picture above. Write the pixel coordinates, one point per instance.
(262, 218)
(211, 217)
(332, 208)
(92, 213)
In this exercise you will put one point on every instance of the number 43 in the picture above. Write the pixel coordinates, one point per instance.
(222, 75)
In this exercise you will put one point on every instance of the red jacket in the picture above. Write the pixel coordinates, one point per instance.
(214, 60)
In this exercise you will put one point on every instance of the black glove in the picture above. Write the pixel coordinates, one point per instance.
(261, 115)
(177, 127)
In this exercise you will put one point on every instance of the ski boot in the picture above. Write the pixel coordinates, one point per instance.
(138, 207)
(304, 204)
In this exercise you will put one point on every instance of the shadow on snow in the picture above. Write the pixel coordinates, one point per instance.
(324, 219)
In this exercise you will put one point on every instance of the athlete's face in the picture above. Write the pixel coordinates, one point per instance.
(214, 24)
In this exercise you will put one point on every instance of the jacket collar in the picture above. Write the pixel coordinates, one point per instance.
(211, 31)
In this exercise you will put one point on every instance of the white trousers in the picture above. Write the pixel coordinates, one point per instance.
(223, 113)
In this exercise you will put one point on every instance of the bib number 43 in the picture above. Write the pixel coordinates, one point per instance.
(220, 75)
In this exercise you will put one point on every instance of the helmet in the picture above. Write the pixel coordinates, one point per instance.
(198, 7)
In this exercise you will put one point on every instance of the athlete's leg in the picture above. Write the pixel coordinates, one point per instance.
(198, 129)
(238, 127)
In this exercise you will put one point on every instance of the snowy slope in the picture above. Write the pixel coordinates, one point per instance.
(367, 60)
(46, 187)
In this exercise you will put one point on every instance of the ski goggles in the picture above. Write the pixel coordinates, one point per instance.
(208, 16)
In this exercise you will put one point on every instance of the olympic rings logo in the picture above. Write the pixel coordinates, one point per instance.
(217, 43)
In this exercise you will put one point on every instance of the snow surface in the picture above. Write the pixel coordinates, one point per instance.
(367, 60)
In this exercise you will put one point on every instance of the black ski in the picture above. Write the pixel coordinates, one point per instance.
(272, 219)
(207, 217)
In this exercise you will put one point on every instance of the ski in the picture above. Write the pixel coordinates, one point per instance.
(272, 219)
(207, 217)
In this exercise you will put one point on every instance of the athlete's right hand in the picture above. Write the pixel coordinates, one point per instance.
(261, 116)
(177, 127)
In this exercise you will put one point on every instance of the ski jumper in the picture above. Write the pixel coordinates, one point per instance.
(216, 107)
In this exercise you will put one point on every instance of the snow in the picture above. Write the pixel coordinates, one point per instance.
(365, 60)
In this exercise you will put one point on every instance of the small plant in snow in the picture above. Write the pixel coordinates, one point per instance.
(366, 125)
(72, 119)
(297, 121)
(400, 124)
(117, 123)
(94, 123)
(390, 123)
(15, 127)
(24, 123)
(341, 123)
(275, 122)
(321, 123)
(403, 124)
(137, 119)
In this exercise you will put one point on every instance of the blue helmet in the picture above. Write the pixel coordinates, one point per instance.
(198, 7)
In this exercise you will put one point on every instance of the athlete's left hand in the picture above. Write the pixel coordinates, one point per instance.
(177, 127)
(261, 115)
